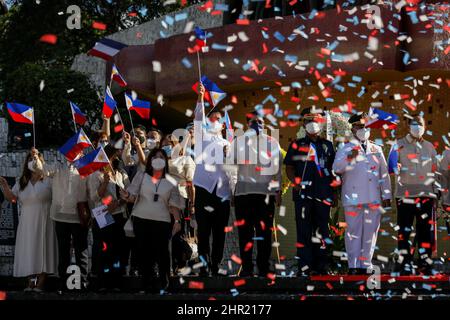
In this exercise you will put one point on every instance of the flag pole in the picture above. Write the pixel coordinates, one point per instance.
(34, 132)
(73, 118)
(131, 119)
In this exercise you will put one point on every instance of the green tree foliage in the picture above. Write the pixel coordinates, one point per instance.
(53, 117)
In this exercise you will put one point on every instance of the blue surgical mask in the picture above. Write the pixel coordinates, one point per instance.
(168, 150)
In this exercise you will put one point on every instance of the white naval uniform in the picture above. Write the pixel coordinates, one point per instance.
(365, 182)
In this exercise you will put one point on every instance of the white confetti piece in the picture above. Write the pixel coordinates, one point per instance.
(243, 36)
(209, 209)
(188, 112)
(189, 27)
(156, 66)
(41, 85)
(282, 229)
(232, 38)
(282, 211)
(70, 90)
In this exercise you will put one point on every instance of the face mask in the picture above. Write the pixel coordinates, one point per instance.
(31, 165)
(167, 150)
(158, 163)
(151, 143)
(363, 134)
(214, 127)
(416, 131)
(258, 127)
(313, 127)
(103, 144)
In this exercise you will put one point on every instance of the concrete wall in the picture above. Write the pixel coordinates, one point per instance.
(147, 33)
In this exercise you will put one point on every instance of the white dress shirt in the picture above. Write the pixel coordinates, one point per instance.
(210, 171)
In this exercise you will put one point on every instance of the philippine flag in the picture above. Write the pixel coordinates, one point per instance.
(393, 160)
(141, 107)
(200, 37)
(117, 77)
(73, 147)
(228, 127)
(91, 162)
(106, 49)
(20, 112)
(213, 93)
(381, 119)
(78, 116)
(109, 105)
(312, 156)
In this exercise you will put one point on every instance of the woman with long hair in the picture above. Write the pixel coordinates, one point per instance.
(156, 197)
(35, 250)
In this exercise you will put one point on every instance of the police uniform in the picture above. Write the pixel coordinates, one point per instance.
(365, 183)
(313, 201)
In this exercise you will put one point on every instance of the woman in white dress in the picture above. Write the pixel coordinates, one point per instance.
(35, 251)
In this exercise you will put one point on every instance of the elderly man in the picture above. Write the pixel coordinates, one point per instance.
(366, 188)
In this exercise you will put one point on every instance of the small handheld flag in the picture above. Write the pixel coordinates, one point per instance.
(141, 107)
(393, 160)
(228, 127)
(20, 113)
(200, 38)
(312, 156)
(213, 94)
(117, 77)
(78, 116)
(381, 119)
(73, 147)
(106, 49)
(93, 161)
(109, 105)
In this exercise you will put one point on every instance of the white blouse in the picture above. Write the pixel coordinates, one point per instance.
(146, 188)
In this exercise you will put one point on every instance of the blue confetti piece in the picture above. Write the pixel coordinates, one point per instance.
(329, 99)
(265, 35)
(340, 88)
(351, 84)
(217, 46)
(203, 261)
(392, 28)
(308, 82)
(181, 16)
(116, 265)
(356, 78)
(105, 270)
(312, 14)
(279, 36)
(290, 58)
(336, 80)
(186, 63)
(361, 93)
(296, 85)
(406, 58)
(328, 241)
(333, 45)
(169, 20)
(426, 287)
(269, 98)
(320, 66)
(292, 37)
(27, 134)
(258, 238)
(162, 34)
(221, 7)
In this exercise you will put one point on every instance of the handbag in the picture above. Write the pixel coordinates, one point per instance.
(128, 227)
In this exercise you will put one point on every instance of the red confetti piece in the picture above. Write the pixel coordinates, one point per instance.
(299, 245)
(132, 14)
(228, 229)
(329, 286)
(351, 213)
(263, 225)
(271, 276)
(238, 283)
(242, 22)
(107, 200)
(105, 247)
(264, 47)
(236, 259)
(49, 38)
(196, 285)
(98, 25)
(234, 99)
(362, 287)
(2, 295)
(239, 223)
(246, 79)
(118, 128)
(425, 245)
(248, 246)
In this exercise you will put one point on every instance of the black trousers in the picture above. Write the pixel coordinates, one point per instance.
(152, 245)
(406, 213)
(69, 234)
(211, 222)
(110, 248)
(312, 216)
(258, 216)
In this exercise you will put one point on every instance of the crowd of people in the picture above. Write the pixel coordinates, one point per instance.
(170, 189)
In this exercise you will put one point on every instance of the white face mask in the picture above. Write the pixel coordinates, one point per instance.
(416, 131)
(214, 127)
(151, 143)
(158, 163)
(313, 127)
(363, 134)
(31, 166)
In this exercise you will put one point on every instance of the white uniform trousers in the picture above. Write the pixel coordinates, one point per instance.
(363, 224)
